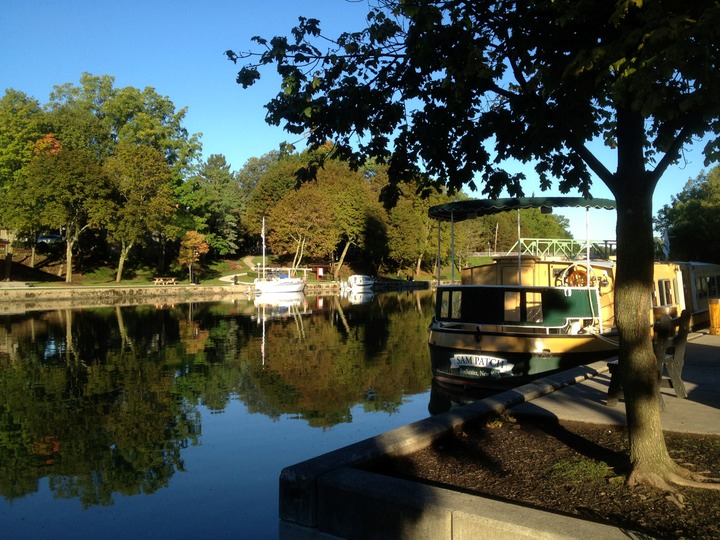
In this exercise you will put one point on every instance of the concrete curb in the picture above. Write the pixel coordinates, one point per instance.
(329, 497)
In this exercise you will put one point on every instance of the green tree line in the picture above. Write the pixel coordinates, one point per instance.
(690, 223)
(114, 172)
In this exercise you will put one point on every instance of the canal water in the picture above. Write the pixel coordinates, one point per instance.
(174, 421)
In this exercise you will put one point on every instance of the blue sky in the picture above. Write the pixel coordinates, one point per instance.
(177, 47)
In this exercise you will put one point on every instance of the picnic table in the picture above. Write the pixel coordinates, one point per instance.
(165, 281)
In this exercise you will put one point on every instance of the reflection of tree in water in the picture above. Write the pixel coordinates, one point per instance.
(94, 419)
(103, 401)
(321, 377)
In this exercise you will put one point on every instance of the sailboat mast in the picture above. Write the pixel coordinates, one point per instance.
(262, 235)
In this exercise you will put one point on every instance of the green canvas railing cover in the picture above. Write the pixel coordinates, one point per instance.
(486, 305)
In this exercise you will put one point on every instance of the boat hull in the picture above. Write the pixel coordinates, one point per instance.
(358, 282)
(279, 285)
(473, 359)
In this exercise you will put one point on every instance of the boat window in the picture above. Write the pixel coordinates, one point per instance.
(444, 304)
(713, 283)
(533, 301)
(512, 306)
(456, 305)
(701, 285)
(496, 305)
(450, 304)
(665, 292)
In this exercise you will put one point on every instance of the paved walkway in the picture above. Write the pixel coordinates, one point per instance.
(699, 413)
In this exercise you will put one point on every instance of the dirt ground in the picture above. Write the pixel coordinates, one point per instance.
(573, 468)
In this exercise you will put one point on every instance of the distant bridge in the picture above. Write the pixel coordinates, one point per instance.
(564, 248)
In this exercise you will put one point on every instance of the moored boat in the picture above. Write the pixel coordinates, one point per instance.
(276, 280)
(526, 315)
(358, 282)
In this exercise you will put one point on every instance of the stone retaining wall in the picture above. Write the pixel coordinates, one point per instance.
(21, 300)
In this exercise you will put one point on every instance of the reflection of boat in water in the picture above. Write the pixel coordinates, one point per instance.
(361, 297)
(358, 297)
(278, 305)
(525, 315)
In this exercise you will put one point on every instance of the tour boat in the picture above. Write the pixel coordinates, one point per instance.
(546, 308)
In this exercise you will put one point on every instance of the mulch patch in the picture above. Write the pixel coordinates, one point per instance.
(572, 468)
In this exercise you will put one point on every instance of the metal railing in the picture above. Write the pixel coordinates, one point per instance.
(569, 248)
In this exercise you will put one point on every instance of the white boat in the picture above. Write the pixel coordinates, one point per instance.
(358, 282)
(276, 280)
(537, 311)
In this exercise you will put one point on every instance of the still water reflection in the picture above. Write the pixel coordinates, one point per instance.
(175, 421)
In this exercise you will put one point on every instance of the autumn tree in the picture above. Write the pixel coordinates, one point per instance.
(192, 246)
(301, 224)
(141, 182)
(141, 117)
(452, 91)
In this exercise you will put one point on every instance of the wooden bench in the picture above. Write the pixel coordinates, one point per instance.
(165, 281)
(669, 344)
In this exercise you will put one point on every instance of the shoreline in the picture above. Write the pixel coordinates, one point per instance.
(18, 300)
(19, 297)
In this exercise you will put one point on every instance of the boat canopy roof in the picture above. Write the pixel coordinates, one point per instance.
(472, 208)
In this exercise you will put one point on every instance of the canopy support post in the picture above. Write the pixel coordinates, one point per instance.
(438, 253)
(452, 247)
(519, 250)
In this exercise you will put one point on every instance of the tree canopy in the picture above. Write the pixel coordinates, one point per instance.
(54, 160)
(445, 81)
(71, 188)
(141, 180)
(692, 220)
(450, 91)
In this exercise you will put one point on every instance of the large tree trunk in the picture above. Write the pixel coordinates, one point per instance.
(68, 260)
(124, 251)
(639, 370)
(649, 457)
(338, 266)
